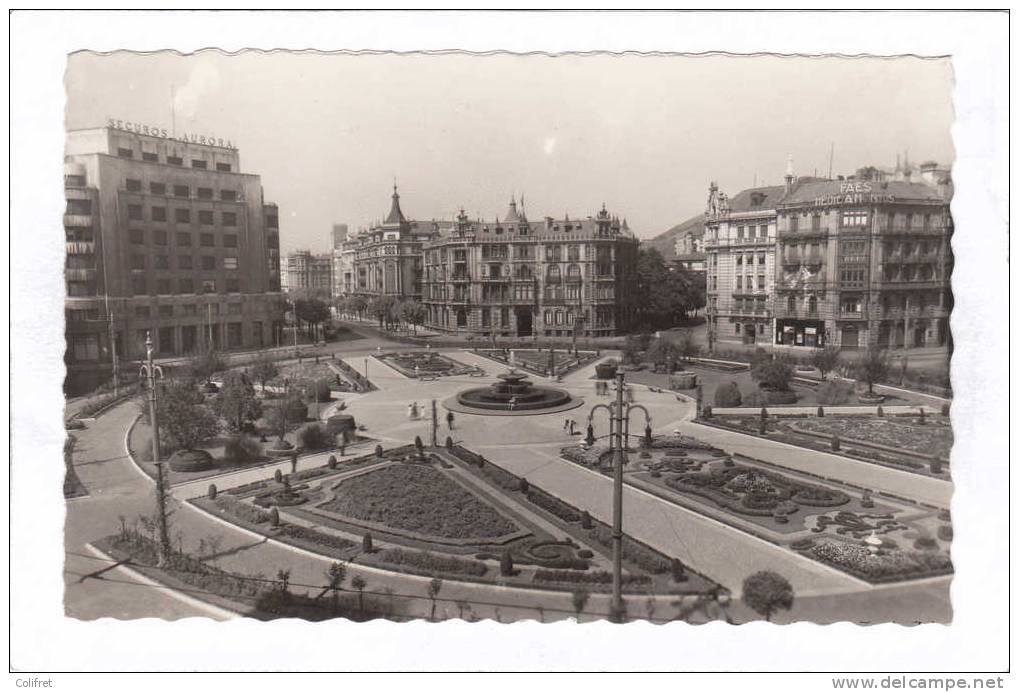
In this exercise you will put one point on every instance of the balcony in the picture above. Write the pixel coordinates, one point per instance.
(460, 277)
(852, 314)
(798, 313)
(903, 229)
(80, 247)
(77, 221)
(904, 285)
(494, 279)
(77, 274)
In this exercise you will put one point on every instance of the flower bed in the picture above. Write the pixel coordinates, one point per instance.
(933, 438)
(424, 363)
(883, 566)
(424, 562)
(417, 498)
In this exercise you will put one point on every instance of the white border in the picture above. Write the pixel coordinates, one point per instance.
(43, 640)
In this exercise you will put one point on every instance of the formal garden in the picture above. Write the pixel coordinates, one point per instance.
(447, 513)
(425, 363)
(915, 441)
(540, 361)
(872, 536)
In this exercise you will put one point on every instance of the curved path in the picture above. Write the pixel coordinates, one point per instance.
(527, 446)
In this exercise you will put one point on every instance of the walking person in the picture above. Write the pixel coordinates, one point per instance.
(449, 419)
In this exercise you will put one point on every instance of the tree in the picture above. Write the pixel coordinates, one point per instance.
(765, 592)
(357, 305)
(359, 583)
(379, 309)
(688, 347)
(336, 573)
(663, 353)
(826, 360)
(184, 420)
(202, 366)
(414, 313)
(264, 369)
(772, 373)
(285, 414)
(311, 310)
(665, 296)
(434, 587)
(872, 367)
(579, 597)
(236, 403)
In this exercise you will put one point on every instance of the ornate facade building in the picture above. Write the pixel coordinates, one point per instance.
(518, 278)
(308, 272)
(164, 236)
(849, 262)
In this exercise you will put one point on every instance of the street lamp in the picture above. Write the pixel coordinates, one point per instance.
(619, 431)
(150, 372)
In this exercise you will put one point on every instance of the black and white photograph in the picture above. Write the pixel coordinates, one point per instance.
(370, 338)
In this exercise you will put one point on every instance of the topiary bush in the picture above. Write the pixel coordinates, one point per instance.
(212, 491)
(945, 532)
(242, 449)
(506, 565)
(946, 409)
(274, 517)
(706, 413)
(880, 412)
(331, 462)
(755, 399)
(925, 543)
(523, 486)
(836, 444)
(449, 442)
(678, 570)
(781, 397)
(585, 520)
(314, 436)
(820, 411)
(728, 395)
(278, 476)
(366, 543)
(378, 451)
(835, 393)
(585, 554)
(935, 466)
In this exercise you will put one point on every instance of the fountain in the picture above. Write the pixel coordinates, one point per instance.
(514, 393)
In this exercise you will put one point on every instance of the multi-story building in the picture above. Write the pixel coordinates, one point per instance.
(863, 262)
(309, 273)
(848, 262)
(688, 247)
(164, 236)
(739, 244)
(520, 278)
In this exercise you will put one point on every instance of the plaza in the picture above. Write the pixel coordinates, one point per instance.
(713, 550)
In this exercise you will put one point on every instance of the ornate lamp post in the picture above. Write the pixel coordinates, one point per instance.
(150, 373)
(619, 426)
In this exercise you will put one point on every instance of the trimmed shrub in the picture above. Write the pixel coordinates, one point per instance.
(728, 395)
(506, 565)
(922, 420)
(523, 486)
(585, 554)
(585, 520)
(936, 467)
(418, 444)
(242, 449)
(880, 412)
(755, 399)
(449, 443)
(274, 517)
(189, 460)
(836, 444)
(706, 413)
(378, 451)
(678, 570)
(366, 543)
(278, 476)
(780, 397)
(945, 532)
(867, 501)
(835, 393)
(820, 411)
(946, 409)
(212, 491)
(314, 436)
(925, 543)
(331, 462)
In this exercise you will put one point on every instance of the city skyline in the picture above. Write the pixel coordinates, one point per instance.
(645, 135)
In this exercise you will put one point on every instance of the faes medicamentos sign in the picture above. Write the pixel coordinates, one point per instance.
(187, 138)
(853, 192)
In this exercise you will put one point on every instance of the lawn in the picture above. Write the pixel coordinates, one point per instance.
(934, 437)
(424, 363)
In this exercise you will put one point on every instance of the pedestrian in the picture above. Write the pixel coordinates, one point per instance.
(573, 427)
(566, 424)
(293, 462)
(449, 419)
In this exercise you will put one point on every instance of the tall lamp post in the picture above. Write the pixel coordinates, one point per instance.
(150, 372)
(619, 426)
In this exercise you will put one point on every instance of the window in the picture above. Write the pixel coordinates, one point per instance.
(233, 309)
(175, 160)
(137, 236)
(205, 193)
(199, 163)
(141, 311)
(739, 260)
(159, 237)
(181, 191)
(183, 239)
(229, 218)
(230, 240)
(163, 289)
(760, 282)
(187, 286)
(854, 218)
(761, 258)
(137, 261)
(134, 212)
(851, 305)
(794, 223)
(208, 262)
(751, 231)
(763, 230)
(228, 195)
(182, 215)
(272, 221)
(209, 286)
(190, 310)
(791, 304)
(223, 167)
(133, 185)
(161, 262)
(139, 286)
(74, 181)
(207, 240)
(79, 206)
(205, 218)
(159, 213)
(739, 232)
(739, 283)
(738, 327)
(125, 153)
(815, 222)
(750, 259)
(229, 263)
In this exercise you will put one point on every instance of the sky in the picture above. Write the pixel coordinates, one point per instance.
(645, 135)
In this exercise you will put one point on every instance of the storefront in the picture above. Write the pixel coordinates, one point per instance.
(810, 333)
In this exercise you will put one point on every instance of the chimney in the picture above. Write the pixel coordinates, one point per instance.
(789, 174)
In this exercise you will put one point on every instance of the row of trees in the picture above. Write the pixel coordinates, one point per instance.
(775, 371)
(390, 311)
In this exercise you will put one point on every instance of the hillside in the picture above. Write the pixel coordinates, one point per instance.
(663, 242)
